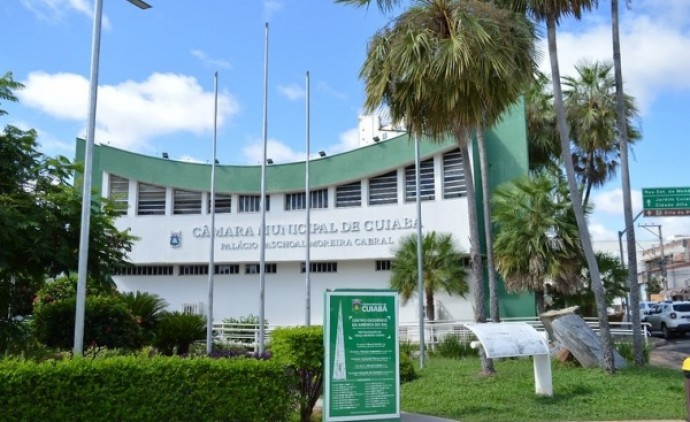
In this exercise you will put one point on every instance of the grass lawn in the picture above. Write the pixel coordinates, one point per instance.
(454, 389)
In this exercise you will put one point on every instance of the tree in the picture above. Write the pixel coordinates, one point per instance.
(542, 130)
(453, 67)
(638, 348)
(551, 11)
(614, 276)
(441, 265)
(537, 240)
(590, 103)
(40, 213)
(7, 87)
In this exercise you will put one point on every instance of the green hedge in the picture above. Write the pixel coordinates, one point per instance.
(145, 389)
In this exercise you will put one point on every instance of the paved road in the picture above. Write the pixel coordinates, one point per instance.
(671, 353)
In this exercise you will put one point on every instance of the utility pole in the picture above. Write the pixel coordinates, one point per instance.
(662, 258)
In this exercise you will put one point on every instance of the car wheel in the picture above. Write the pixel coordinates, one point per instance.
(666, 332)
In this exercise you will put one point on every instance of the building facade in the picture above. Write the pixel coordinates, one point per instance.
(362, 204)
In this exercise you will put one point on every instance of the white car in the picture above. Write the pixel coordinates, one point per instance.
(645, 307)
(670, 318)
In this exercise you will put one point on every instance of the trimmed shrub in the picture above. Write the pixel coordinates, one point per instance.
(107, 323)
(144, 389)
(301, 350)
(452, 347)
(176, 331)
(407, 371)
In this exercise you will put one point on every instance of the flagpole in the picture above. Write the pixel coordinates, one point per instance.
(307, 260)
(211, 259)
(262, 202)
(420, 270)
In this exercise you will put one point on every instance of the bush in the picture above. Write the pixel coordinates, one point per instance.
(147, 309)
(407, 371)
(177, 331)
(301, 350)
(65, 288)
(144, 389)
(626, 351)
(451, 346)
(107, 323)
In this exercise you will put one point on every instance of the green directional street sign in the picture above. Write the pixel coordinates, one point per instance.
(665, 202)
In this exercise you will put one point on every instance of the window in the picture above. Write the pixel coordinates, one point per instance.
(349, 195)
(201, 269)
(318, 198)
(192, 308)
(223, 203)
(227, 269)
(454, 185)
(254, 268)
(384, 265)
(320, 267)
(186, 202)
(119, 193)
(384, 189)
(426, 181)
(296, 201)
(252, 203)
(145, 270)
(151, 200)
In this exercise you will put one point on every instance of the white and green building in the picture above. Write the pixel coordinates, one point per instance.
(363, 202)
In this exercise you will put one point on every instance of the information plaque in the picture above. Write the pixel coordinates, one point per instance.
(361, 363)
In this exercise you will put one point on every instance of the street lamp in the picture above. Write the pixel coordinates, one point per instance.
(88, 169)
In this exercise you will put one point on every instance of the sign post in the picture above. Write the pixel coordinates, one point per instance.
(666, 202)
(361, 362)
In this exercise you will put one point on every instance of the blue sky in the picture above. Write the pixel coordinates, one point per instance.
(157, 66)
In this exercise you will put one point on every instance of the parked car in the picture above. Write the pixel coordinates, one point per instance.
(671, 318)
(645, 307)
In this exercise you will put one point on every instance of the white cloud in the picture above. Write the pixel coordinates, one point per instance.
(271, 7)
(189, 159)
(292, 92)
(54, 10)
(654, 43)
(324, 87)
(130, 113)
(210, 61)
(276, 150)
(611, 202)
(348, 140)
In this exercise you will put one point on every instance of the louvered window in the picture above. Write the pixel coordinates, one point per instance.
(223, 203)
(383, 189)
(187, 202)
(252, 203)
(349, 195)
(426, 181)
(151, 200)
(119, 193)
(454, 185)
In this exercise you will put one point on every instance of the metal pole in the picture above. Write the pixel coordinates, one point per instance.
(262, 201)
(662, 263)
(82, 266)
(211, 260)
(307, 259)
(420, 270)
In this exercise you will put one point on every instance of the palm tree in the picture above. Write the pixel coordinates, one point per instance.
(551, 11)
(592, 113)
(613, 275)
(447, 66)
(147, 309)
(537, 240)
(638, 351)
(441, 265)
(542, 133)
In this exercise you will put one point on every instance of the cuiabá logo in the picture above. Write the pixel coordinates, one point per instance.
(356, 305)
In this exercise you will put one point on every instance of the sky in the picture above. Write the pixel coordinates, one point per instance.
(156, 82)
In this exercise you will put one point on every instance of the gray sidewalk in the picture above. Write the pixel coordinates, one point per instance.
(413, 417)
